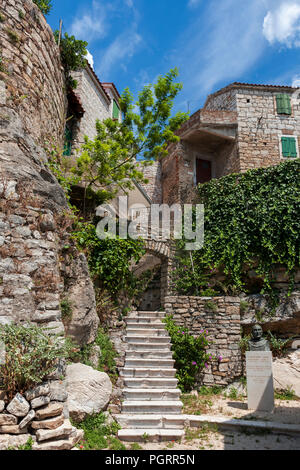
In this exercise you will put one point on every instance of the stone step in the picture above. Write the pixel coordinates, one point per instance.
(145, 326)
(146, 314)
(144, 321)
(152, 407)
(151, 435)
(148, 339)
(141, 421)
(146, 372)
(133, 331)
(149, 354)
(151, 394)
(132, 382)
(150, 363)
(132, 346)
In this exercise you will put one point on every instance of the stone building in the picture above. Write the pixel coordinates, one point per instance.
(89, 101)
(240, 127)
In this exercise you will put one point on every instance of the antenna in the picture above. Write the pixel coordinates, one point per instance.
(60, 30)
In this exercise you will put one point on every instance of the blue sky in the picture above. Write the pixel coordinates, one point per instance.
(212, 42)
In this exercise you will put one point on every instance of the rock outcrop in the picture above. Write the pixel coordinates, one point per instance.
(89, 391)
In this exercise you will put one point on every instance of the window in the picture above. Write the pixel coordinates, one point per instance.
(116, 110)
(283, 103)
(289, 147)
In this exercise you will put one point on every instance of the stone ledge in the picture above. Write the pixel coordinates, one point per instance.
(197, 421)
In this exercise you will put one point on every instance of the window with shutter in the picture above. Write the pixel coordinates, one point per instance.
(289, 147)
(283, 104)
(116, 110)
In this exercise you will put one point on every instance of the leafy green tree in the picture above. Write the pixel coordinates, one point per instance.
(73, 55)
(44, 5)
(110, 160)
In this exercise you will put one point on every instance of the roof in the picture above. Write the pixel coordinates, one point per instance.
(113, 86)
(91, 70)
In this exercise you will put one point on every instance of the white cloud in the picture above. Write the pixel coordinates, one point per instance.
(221, 44)
(282, 24)
(92, 24)
(119, 52)
(193, 3)
(90, 59)
(296, 82)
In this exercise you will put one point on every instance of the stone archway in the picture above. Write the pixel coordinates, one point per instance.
(158, 259)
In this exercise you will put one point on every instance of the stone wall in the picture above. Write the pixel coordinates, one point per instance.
(260, 128)
(220, 316)
(31, 71)
(221, 101)
(96, 104)
(34, 222)
(154, 187)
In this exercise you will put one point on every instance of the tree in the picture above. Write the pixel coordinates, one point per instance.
(110, 160)
(73, 55)
(44, 5)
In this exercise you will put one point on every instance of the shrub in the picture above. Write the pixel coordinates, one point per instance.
(189, 353)
(31, 355)
(73, 55)
(278, 346)
(44, 5)
(98, 434)
(66, 309)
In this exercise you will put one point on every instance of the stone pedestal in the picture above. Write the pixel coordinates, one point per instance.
(260, 388)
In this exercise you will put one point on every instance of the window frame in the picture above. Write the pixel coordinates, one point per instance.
(295, 137)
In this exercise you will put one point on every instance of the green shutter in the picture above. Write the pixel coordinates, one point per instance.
(116, 110)
(289, 147)
(293, 149)
(283, 103)
(68, 142)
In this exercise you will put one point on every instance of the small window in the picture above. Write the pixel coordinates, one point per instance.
(289, 147)
(283, 103)
(116, 110)
(68, 142)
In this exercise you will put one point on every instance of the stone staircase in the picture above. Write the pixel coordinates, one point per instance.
(151, 405)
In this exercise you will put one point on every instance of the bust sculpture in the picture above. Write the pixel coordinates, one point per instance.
(257, 342)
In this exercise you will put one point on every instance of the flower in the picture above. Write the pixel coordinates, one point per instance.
(194, 363)
(220, 358)
(206, 365)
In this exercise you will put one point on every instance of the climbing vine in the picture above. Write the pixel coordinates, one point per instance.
(252, 220)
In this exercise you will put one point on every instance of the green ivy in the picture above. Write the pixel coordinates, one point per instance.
(189, 353)
(110, 259)
(251, 220)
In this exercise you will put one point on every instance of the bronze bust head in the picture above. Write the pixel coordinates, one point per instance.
(257, 341)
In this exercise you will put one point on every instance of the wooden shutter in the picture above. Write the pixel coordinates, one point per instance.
(289, 147)
(116, 110)
(293, 148)
(283, 104)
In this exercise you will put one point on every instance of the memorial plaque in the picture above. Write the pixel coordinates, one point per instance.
(260, 387)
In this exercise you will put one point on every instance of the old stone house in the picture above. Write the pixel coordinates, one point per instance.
(240, 127)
